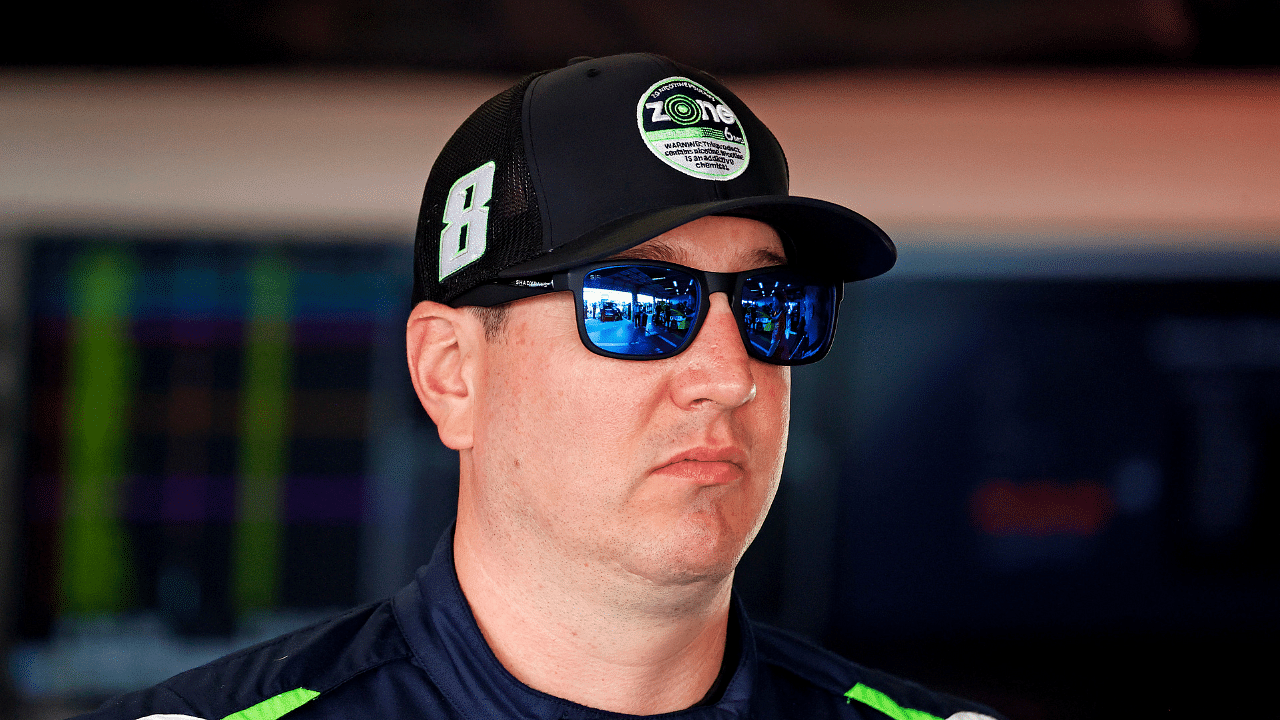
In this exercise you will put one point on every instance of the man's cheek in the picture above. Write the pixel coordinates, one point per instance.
(773, 395)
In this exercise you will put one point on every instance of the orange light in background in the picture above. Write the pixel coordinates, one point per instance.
(1041, 508)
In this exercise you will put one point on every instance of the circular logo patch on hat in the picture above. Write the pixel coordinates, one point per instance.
(691, 129)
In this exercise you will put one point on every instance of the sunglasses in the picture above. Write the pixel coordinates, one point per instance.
(649, 310)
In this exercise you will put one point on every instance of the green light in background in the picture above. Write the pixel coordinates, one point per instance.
(102, 364)
(264, 427)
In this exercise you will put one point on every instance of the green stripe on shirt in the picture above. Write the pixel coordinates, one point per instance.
(885, 704)
(276, 707)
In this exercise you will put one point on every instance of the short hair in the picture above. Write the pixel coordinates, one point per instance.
(493, 318)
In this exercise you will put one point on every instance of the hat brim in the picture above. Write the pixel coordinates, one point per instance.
(818, 235)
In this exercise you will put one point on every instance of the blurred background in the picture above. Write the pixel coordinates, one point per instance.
(1039, 469)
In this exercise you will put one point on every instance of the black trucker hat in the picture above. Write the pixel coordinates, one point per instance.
(573, 165)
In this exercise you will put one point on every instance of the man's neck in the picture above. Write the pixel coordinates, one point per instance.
(603, 642)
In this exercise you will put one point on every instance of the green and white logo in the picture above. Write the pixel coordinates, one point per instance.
(692, 130)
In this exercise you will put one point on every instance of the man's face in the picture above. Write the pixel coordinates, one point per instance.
(663, 469)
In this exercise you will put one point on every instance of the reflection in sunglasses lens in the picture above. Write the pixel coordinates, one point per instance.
(639, 311)
(788, 318)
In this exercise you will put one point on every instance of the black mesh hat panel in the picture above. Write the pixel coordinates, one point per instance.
(492, 134)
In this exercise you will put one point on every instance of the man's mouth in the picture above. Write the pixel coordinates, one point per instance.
(705, 466)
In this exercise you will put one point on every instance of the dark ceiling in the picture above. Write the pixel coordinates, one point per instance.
(746, 36)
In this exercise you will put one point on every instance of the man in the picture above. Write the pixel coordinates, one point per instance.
(609, 480)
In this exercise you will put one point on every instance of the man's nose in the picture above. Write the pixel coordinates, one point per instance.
(717, 370)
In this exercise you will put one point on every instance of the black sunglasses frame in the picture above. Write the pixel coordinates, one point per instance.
(709, 282)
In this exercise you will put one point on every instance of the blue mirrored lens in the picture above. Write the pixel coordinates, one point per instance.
(639, 311)
(788, 317)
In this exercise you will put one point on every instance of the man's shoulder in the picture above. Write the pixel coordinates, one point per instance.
(801, 668)
(274, 677)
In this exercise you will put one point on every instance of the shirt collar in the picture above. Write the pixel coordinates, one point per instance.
(438, 624)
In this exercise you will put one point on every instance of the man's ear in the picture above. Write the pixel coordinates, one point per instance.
(445, 346)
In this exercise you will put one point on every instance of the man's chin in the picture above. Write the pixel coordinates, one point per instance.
(688, 561)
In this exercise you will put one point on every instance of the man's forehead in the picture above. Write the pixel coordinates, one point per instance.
(676, 248)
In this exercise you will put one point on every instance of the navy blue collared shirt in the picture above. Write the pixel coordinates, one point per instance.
(420, 655)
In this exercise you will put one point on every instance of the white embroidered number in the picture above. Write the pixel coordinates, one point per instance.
(466, 220)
